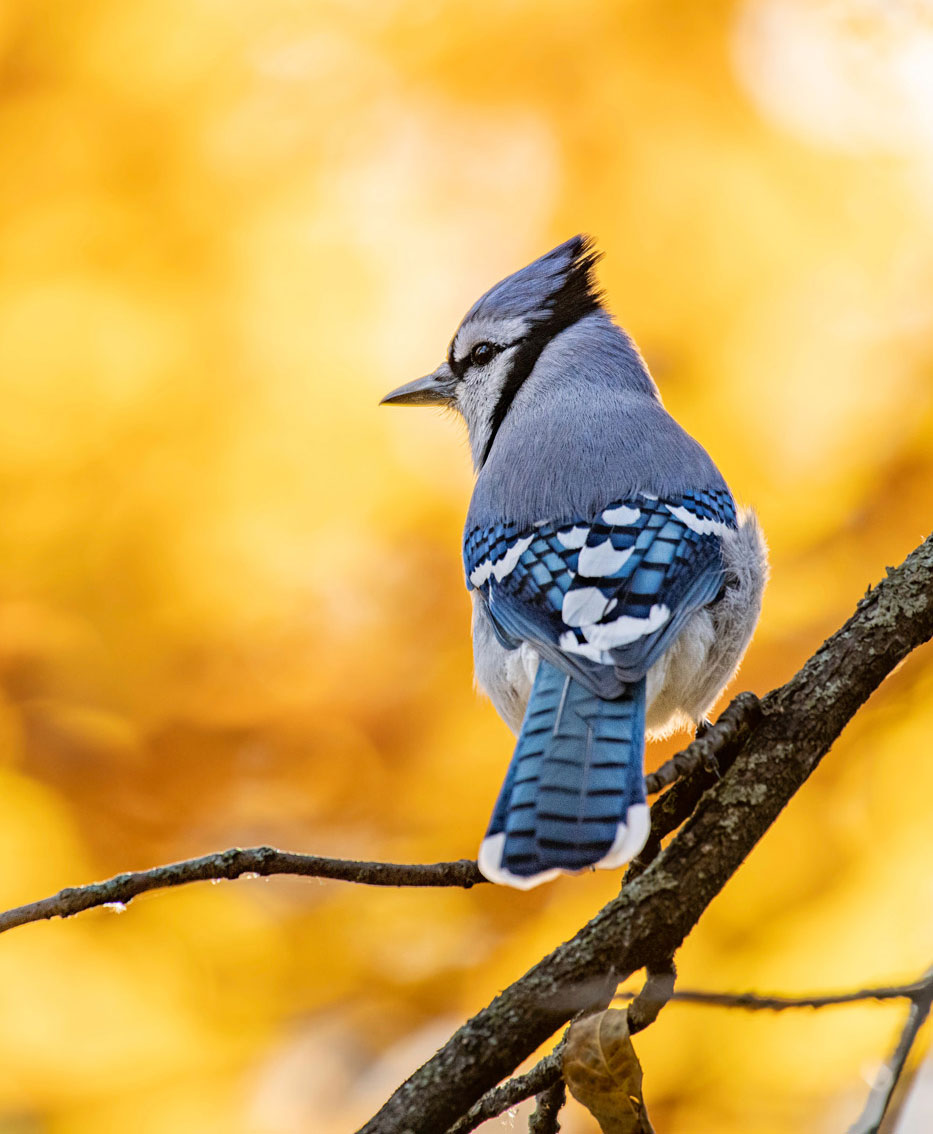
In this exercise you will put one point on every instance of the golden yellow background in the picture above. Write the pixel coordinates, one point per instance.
(231, 601)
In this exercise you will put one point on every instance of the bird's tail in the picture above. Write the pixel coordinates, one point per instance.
(574, 794)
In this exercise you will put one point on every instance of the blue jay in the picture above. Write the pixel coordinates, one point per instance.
(615, 585)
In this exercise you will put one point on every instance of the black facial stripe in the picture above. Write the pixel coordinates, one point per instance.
(458, 368)
(523, 362)
(577, 296)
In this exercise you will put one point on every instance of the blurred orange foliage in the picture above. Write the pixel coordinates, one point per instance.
(231, 604)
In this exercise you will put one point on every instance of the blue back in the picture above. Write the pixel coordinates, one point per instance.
(586, 428)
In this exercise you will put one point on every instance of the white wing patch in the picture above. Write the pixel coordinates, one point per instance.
(569, 644)
(502, 567)
(576, 537)
(600, 639)
(626, 628)
(583, 606)
(622, 515)
(695, 523)
(602, 561)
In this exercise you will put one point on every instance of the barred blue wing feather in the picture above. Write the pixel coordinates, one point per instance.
(602, 597)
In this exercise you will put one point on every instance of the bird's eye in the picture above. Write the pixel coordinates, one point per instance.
(482, 353)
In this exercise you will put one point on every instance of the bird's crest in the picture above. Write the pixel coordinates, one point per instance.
(557, 289)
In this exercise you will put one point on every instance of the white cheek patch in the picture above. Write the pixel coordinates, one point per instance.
(602, 561)
(695, 523)
(505, 566)
(623, 516)
(477, 396)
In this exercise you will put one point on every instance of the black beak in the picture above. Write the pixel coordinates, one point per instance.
(435, 389)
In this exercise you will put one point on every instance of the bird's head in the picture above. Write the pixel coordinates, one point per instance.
(497, 344)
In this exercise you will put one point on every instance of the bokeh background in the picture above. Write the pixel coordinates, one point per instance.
(231, 603)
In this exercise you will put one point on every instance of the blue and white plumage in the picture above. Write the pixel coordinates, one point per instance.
(615, 587)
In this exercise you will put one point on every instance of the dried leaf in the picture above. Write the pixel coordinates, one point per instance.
(602, 1072)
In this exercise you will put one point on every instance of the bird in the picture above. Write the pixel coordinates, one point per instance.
(615, 584)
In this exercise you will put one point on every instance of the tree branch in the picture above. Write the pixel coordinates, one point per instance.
(657, 992)
(755, 757)
(715, 748)
(646, 1005)
(547, 1108)
(882, 1093)
(656, 909)
(754, 1003)
(500, 1099)
(235, 863)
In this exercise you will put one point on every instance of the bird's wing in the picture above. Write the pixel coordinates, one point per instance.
(602, 597)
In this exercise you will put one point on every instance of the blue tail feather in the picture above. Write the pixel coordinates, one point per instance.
(574, 794)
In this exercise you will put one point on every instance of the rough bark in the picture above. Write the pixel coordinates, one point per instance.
(647, 922)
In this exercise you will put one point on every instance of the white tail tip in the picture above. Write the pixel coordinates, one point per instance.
(630, 838)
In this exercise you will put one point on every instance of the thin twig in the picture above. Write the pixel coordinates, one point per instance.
(655, 993)
(234, 863)
(545, 1119)
(500, 1099)
(882, 1092)
(695, 770)
(891, 1123)
(719, 741)
(712, 749)
(755, 1003)
(237, 861)
(717, 746)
